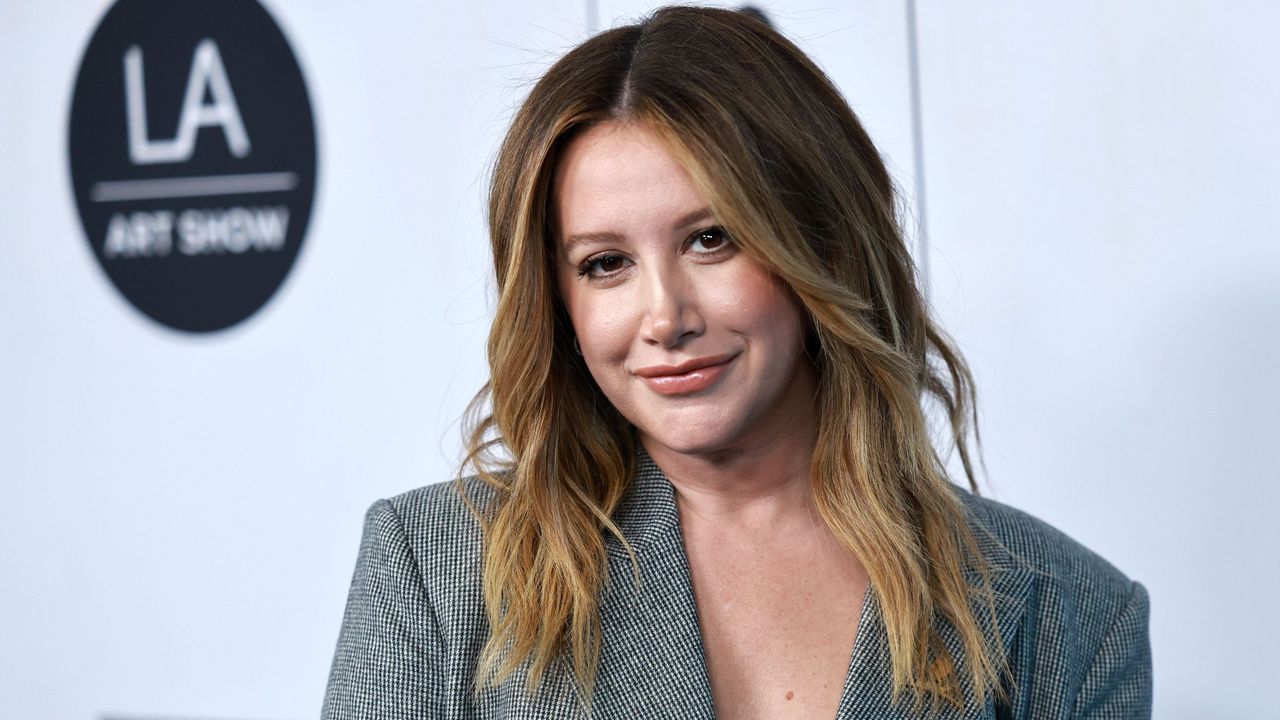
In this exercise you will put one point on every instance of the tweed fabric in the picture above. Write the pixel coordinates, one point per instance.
(1074, 627)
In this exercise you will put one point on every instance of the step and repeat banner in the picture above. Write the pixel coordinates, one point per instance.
(244, 292)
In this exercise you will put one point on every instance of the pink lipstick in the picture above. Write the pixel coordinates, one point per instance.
(687, 377)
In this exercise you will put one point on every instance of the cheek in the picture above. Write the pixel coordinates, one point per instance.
(602, 325)
(755, 302)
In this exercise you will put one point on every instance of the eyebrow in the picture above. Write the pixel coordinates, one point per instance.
(702, 214)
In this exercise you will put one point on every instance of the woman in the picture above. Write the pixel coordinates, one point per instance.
(706, 485)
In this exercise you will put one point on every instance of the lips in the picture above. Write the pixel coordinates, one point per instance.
(687, 377)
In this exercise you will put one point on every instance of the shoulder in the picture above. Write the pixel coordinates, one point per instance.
(1081, 621)
(1014, 537)
(429, 543)
(439, 528)
(439, 509)
(415, 603)
(1061, 569)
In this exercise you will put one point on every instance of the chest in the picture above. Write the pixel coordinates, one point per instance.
(779, 620)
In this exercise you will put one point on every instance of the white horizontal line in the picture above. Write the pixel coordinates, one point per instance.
(119, 190)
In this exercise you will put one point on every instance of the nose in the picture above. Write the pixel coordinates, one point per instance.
(671, 315)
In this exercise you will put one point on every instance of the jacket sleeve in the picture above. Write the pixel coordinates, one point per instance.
(1117, 683)
(389, 641)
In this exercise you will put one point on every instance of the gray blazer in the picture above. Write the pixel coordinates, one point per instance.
(1075, 627)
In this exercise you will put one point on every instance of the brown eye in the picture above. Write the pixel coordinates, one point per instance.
(603, 266)
(709, 240)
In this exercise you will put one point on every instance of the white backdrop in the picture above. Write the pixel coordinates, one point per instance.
(180, 514)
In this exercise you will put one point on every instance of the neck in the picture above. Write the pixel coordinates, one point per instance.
(760, 483)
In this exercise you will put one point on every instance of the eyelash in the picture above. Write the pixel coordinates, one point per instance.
(584, 268)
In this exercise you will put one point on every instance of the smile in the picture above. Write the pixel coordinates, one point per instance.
(687, 377)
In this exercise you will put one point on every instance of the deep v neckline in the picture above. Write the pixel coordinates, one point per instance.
(650, 519)
(856, 654)
(654, 659)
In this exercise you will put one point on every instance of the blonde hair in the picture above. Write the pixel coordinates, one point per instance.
(790, 173)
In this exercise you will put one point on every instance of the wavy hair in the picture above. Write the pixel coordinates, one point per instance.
(791, 174)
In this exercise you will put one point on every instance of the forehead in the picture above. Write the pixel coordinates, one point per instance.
(620, 177)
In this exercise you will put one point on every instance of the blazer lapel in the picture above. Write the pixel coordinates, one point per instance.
(652, 662)
(868, 690)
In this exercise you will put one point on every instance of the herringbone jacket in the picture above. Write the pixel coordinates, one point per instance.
(1075, 627)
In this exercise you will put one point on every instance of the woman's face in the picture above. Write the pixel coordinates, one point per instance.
(695, 343)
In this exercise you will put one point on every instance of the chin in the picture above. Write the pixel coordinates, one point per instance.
(692, 433)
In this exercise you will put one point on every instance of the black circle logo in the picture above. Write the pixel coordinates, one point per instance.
(193, 157)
